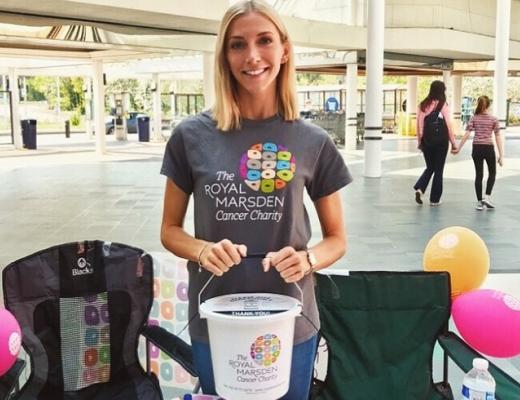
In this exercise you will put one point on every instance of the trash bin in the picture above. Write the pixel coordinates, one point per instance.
(360, 126)
(67, 129)
(29, 133)
(143, 128)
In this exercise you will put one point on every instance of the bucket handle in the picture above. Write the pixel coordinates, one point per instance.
(253, 255)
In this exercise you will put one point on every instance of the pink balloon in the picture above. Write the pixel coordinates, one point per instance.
(10, 340)
(489, 321)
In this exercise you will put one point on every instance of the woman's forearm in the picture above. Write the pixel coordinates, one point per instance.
(334, 243)
(500, 147)
(329, 250)
(181, 243)
(463, 140)
(451, 133)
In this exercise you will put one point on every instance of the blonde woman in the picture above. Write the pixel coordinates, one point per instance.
(247, 162)
(484, 125)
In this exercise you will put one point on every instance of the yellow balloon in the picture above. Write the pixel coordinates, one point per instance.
(462, 253)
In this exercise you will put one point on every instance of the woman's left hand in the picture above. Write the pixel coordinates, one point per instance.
(291, 264)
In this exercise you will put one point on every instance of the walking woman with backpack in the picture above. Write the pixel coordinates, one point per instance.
(484, 124)
(434, 133)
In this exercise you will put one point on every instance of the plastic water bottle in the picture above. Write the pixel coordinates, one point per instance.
(478, 384)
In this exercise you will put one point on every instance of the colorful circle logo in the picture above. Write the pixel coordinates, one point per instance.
(266, 350)
(267, 167)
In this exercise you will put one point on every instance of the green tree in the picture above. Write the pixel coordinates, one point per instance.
(46, 88)
(140, 99)
(42, 88)
(309, 79)
(394, 80)
(71, 93)
(185, 86)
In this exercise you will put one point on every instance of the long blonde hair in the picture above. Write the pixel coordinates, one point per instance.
(226, 111)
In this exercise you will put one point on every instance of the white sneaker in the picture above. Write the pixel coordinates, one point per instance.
(486, 203)
(435, 204)
(479, 206)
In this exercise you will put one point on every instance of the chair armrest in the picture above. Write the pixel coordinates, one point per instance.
(462, 354)
(172, 345)
(10, 379)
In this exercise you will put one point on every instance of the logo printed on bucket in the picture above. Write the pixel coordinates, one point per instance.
(266, 350)
(255, 367)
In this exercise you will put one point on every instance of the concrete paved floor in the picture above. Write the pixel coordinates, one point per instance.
(64, 192)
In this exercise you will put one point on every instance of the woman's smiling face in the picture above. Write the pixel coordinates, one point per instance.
(254, 52)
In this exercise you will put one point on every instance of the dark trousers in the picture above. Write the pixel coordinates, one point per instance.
(435, 158)
(480, 153)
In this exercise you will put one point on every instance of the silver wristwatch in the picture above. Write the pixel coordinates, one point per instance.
(311, 258)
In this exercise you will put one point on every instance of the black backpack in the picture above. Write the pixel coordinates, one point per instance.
(435, 130)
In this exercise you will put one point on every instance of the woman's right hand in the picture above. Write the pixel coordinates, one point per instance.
(454, 148)
(219, 257)
(500, 161)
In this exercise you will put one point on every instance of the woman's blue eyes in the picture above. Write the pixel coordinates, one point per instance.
(236, 45)
(265, 40)
(240, 44)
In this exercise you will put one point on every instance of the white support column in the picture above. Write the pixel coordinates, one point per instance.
(446, 78)
(173, 90)
(88, 107)
(411, 96)
(446, 75)
(351, 109)
(411, 106)
(15, 100)
(503, 23)
(456, 101)
(99, 106)
(361, 12)
(353, 13)
(209, 85)
(374, 99)
(156, 136)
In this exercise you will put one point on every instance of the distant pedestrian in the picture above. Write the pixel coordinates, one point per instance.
(434, 133)
(484, 124)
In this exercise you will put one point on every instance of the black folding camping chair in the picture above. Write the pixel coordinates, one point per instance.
(82, 307)
(380, 329)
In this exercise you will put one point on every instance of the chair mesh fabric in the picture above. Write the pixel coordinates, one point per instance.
(85, 341)
(381, 328)
(81, 307)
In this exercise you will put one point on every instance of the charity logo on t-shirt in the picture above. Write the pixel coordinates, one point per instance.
(255, 192)
(267, 167)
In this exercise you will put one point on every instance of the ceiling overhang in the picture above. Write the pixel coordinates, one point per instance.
(86, 31)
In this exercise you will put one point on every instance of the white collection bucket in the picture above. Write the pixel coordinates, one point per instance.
(251, 340)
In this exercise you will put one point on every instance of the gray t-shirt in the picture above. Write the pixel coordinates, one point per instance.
(247, 186)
